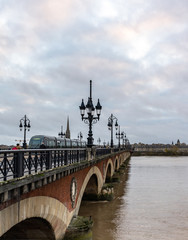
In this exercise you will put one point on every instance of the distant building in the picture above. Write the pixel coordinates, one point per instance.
(67, 134)
(178, 142)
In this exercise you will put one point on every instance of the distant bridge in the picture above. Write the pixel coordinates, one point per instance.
(44, 188)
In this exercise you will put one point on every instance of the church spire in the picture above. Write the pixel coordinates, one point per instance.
(67, 135)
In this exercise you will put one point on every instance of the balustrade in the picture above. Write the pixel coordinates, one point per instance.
(18, 163)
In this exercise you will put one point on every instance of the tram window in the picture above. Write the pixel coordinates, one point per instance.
(62, 143)
(51, 143)
(74, 144)
(68, 143)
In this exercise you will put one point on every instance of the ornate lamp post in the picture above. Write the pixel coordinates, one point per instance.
(124, 139)
(110, 127)
(99, 141)
(61, 134)
(24, 123)
(119, 135)
(90, 119)
(80, 136)
(126, 142)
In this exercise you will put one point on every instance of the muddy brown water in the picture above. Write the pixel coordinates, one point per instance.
(151, 202)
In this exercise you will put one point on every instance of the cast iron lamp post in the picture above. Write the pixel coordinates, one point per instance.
(61, 134)
(110, 127)
(119, 135)
(90, 119)
(80, 136)
(126, 142)
(124, 139)
(99, 141)
(24, 123)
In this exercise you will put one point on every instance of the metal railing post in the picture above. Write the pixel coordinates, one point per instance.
(48, 160)
(18, 164)
(66, 157)
(88, 152)
(5, 167)
(78, 156)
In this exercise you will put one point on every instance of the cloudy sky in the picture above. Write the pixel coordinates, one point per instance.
(134, 51)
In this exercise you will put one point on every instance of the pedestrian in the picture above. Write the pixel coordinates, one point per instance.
(42, 146)
(16, 147)
(43, 153)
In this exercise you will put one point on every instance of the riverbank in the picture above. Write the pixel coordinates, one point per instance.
(160, 151)
(178, 149)
(154, 153)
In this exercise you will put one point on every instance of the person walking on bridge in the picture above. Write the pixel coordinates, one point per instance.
(42, 146)
(16, 147)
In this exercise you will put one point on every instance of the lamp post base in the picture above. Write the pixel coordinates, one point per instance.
(24, 145)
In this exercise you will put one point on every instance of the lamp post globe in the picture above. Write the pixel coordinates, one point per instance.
(80, 136)
(61, 134)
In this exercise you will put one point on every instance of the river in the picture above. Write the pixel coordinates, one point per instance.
(151, 202)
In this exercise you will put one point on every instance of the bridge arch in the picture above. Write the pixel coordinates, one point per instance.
(92, 185)
(93, 176)
(50, 209)
(31, 228)
(121, 159)
(116, 164)
(109, 171)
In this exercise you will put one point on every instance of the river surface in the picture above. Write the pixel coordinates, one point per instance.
(151, 202)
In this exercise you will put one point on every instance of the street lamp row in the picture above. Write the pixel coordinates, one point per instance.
(120, 135)
(113, 121)
(89, 119)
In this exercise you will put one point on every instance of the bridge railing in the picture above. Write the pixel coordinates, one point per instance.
(102, 151)
(18, 163)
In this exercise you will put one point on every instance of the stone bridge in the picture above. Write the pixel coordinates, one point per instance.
(49, 199)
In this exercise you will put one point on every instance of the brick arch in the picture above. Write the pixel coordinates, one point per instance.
(116, 164)
(50, 209)
(30, 228)
(121, 159)
(125, 156)
(93, 171)
(109, 171)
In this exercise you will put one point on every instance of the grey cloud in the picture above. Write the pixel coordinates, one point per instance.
(47, 62)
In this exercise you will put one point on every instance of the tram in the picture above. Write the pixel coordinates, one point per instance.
(54, 142)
